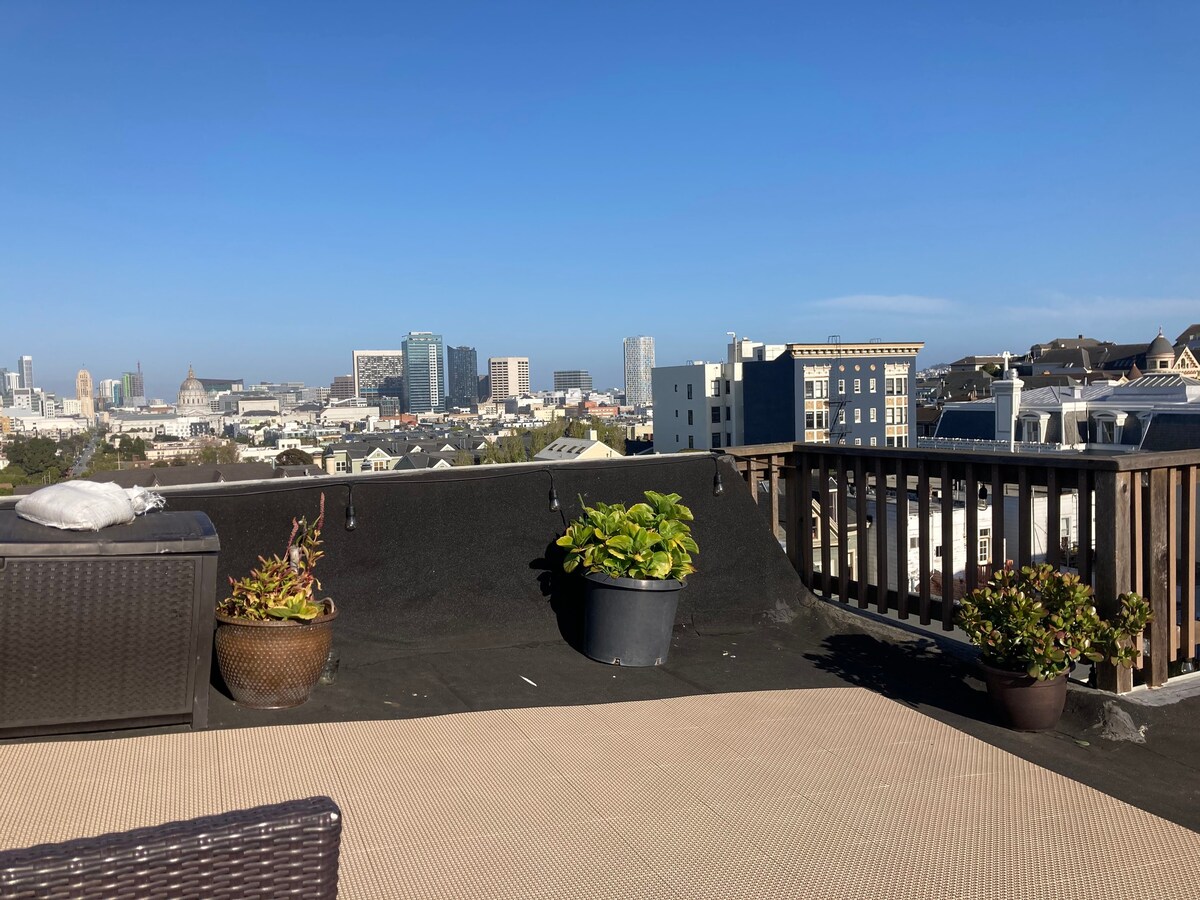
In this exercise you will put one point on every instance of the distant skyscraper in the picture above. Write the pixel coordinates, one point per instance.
(424, 372)
(25, 368)
(371, 367)
(572, 379)
(639, 361)
(133, 385)
(83, 393)
(462, 365)
(342, 387)
(509, 376)
(110, 392)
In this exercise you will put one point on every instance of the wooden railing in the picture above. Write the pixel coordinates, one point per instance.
(906, 532)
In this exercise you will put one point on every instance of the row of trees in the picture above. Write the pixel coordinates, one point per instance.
(35, 461)
(527, 442)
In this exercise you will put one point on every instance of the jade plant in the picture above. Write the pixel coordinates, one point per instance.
(1041, 621)
(283, 587)
(648, 540)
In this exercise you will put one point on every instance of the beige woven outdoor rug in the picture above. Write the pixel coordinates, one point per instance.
(836, 793)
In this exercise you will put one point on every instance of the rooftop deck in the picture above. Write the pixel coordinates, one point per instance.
(789, 747)
(756, 794)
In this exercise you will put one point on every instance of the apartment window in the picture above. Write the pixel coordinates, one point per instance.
(677, 414)
(810, 389)
(716, 439)
(716, 415)
(728, 414)
(889, 442)
(727, 385)
(985, 550)
(810, 419)
(874, 442)
(841, 417)
(858, 442)
(340, 466)
(858, 417)
(716, 387)
(691, 442)
(858, 385)
(889, 416)
(874, 414)
(689, 392)
(841, 385)
(871, 387)
(690, 417)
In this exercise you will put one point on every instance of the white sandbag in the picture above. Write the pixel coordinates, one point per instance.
(143, 500)
(78, 506)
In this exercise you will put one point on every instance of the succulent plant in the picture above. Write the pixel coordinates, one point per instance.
(283, 587)
(1041, 621)
(647, 540)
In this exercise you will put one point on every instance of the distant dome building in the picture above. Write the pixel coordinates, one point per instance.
(193, 398)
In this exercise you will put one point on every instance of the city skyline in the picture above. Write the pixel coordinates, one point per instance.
(972, 178)
(60, 379)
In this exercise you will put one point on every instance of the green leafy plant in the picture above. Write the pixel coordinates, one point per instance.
(283, 587)
(648, 540)
(1042, 621)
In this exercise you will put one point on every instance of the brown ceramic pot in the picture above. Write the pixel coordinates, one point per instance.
(1024, 703)
(273, 664)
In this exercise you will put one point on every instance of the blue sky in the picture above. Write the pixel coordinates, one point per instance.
(258, 189)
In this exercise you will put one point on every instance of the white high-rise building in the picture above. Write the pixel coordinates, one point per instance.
(110, 392)
(373, 367)
(699, 406)
(25, 368)
(639, 362)
(508, 376)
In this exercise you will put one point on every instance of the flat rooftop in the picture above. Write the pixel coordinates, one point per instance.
(788, 747)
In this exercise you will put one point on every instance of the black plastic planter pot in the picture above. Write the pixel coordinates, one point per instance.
(628, 621)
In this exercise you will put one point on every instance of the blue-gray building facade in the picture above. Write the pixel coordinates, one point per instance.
(834, 393)
(424, 372)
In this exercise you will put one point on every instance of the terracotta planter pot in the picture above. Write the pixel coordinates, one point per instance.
(1024, 703)
(275, 664)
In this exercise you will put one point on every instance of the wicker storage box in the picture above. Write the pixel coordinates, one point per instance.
(106, 629)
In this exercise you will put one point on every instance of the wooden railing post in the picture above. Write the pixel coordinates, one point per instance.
(1113, 562)
(1162, 594)
(793, 534)
(773, 464)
